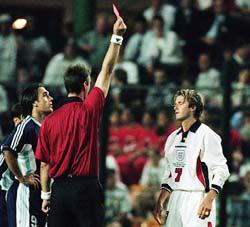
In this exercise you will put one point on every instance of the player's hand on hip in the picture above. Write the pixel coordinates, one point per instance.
(31, 180)
(45, 206)
(119, 27)
(205, 208)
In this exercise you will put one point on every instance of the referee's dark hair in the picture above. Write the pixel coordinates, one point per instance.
(29, 96)
(74, 78)
(194, 100)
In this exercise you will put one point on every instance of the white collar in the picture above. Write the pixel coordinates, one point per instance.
(36, 121)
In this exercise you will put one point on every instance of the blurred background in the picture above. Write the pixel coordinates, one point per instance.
(169, 44)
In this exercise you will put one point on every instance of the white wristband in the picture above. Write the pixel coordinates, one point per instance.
(45, 195)
(116, 39)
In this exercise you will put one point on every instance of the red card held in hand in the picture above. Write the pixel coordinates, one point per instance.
(116, 12)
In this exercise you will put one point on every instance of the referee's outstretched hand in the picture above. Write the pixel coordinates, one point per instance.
(119, 27)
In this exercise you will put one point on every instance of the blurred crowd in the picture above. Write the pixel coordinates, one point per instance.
(170, 44)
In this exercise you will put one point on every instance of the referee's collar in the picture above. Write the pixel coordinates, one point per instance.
(72, 99)
(194, 127)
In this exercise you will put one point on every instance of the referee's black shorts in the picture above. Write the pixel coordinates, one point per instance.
(76, 202)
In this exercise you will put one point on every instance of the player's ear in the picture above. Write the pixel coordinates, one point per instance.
(193, 108)
(86, 82)
(35, 104)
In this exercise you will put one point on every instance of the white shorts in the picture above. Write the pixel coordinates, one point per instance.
(183, 210)
(28, 207)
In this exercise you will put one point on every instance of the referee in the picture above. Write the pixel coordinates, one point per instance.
(68, 145)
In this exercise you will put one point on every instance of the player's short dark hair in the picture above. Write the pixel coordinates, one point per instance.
(194, 100)
(74, 78)
(29, 96)
(16, 110)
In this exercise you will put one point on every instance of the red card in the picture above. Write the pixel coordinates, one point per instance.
(116, 12)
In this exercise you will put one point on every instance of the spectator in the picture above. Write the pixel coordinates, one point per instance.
(208, 80)
(115, 138)
(204, 4)
(95, 43)
(58, 64)
(243, 6)
(148, 137)
(161, 47)
(166, 11)
(4, 104)
(161, 93)
(245, 134)
(245, 130)
(188, 27)
(23, 78)
(164, 127)
(117, 87)
(238, 188)
(153, 170)
(117, 203)
(128, 160)
(131, 70)
(8, 51)
(241, 58)
(112, 164)
(132, 49)
(241, 90)
(218, 30)
(40, 51)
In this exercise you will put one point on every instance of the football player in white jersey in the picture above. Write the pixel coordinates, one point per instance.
(195, 171)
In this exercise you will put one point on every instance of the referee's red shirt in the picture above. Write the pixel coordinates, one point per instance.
(68, 139)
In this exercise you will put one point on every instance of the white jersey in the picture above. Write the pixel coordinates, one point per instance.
(195, 161)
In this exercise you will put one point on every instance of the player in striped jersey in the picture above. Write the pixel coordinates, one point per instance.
(19, 154)
(6, 178)
(195, 169)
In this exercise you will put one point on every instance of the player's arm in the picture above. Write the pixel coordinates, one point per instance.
(11, 161)
(206, 205)
(42, 154)
(104, 77)
(45, 184)
(160, 211)
(218, 169)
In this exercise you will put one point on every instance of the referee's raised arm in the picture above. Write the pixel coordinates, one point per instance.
(104, 77)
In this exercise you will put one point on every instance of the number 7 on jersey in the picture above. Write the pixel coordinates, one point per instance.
(178, 171)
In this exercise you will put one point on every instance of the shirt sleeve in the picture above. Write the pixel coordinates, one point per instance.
(95, 104)
(16, 140)
(167, 176)
(215, 160)
(42, 151)
(95, 100)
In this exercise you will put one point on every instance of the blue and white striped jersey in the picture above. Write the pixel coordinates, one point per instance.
(6, 177)
(22, 142)
(3, 165)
